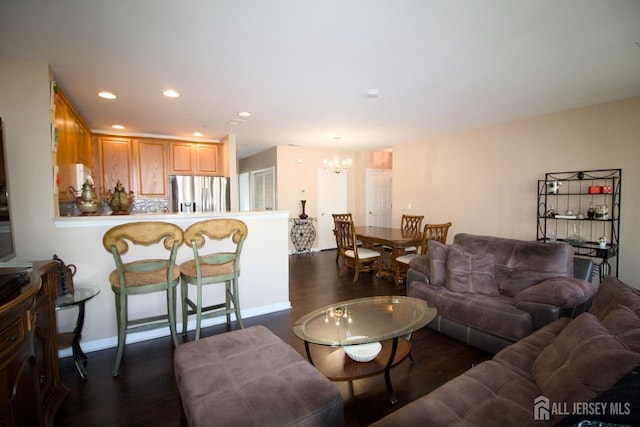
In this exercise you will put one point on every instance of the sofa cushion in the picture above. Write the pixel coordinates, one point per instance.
(520, 263)
(521, 355)
(487, 395)
(493, 315)
(560, 291)
(437, 256)
(467, 272)
(565, 370)
(614, 292)
(624, 324)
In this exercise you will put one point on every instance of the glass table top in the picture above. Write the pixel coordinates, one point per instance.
(364, 320)
(80, 294)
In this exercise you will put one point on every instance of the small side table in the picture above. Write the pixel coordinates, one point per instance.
(72, 339)
(303, 234)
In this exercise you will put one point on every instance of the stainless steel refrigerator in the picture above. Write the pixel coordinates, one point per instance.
(199, 193)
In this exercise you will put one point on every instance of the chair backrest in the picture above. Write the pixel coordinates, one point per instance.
(230, 229)
(345, 235)
(437, 232)
(118, 239)
(340, 217)
(411, 222)
(145, 233)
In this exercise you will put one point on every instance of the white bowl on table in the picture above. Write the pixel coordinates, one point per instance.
(363, 352)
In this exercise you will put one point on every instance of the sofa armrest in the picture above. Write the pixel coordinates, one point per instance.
(561, 292)
(420, 267)
(582, 268)
(541, 314)
(554, 298)
(416, 276)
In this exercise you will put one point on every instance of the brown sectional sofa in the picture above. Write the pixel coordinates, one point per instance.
(572, 370)
(491, 292)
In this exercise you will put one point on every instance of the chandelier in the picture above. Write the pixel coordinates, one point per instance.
(336, 165)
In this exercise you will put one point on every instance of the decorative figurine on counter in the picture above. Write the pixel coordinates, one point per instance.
(121, 201)
(87, 203)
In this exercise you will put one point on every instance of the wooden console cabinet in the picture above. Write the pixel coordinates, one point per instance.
(31, 390)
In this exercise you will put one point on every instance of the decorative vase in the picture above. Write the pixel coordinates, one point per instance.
(121, 201)
(88, 203)
(303, 215)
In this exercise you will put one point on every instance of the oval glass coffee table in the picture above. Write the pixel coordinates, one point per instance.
(385, 319)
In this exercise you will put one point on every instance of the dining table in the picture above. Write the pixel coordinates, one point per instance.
(396, 239)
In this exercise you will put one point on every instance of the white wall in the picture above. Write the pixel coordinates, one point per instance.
(263, 283)
(25, 112)
(485, 180)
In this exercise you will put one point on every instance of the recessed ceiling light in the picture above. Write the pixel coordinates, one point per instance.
(106, 95)
(170, 93)
(373, 93)
(244, 114)
(197, 134)
(117, 127)
(235, 122)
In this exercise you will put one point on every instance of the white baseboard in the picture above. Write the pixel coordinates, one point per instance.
(110, 342)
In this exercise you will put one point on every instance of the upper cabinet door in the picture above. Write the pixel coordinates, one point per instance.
(151, 171)
(194, 159)
(116, 163)
(182, 158)
(207, 159)
(74, 137)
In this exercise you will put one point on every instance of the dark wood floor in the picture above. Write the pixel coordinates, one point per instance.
(145, 392)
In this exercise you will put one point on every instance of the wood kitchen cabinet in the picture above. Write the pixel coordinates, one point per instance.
(151, 168)
(73, 143)
(74, 137)
(189, 158)
(116, 163)
(31, 390)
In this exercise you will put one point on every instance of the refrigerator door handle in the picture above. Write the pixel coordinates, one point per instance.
(188, 207)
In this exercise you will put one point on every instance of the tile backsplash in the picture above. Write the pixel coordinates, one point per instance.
(68, 208)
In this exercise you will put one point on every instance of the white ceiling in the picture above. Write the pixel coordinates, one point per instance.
(303, 68)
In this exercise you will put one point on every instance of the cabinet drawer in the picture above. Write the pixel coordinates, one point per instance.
(13, 335)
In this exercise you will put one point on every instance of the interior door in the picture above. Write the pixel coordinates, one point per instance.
(332, 198)
(378, 197)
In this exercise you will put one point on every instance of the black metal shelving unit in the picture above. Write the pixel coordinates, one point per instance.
(580, 208)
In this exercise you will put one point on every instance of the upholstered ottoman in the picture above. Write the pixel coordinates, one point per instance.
(251, 377)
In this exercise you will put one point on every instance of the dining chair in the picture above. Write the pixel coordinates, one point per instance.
(437, 232)
(339, 217)
(411, 223)
(222, 266)
(358, 258)
(138, 274)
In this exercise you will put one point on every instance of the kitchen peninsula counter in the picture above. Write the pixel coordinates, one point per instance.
(264, 280)
(92, 220)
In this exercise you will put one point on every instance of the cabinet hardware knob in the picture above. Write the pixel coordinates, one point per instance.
(11, 338)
